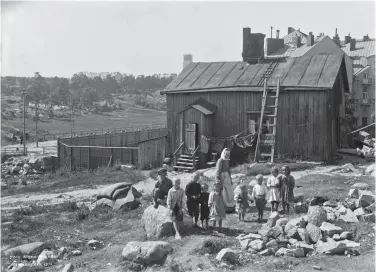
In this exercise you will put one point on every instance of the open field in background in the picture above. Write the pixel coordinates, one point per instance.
(130, 117)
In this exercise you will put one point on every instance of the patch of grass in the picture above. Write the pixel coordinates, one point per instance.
(254, 169)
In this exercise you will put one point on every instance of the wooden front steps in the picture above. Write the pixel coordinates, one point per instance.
(185, 163)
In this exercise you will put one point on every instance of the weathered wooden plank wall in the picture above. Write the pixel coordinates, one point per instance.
(304, 127)
(151, 153)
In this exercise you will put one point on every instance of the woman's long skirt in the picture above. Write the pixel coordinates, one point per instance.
(227, 192)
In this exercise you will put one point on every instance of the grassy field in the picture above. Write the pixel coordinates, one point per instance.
(129, 117)
(67, 224)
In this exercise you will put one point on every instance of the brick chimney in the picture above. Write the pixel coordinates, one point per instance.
(277, 34)
(272, 45)
(253, 45)
(336, 39)
(290, 29)
(365, 38)
(347, 39)
(187, 59)
(352, 44)
(310, 39)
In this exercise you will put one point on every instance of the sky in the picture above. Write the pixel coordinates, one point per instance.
(63, 38)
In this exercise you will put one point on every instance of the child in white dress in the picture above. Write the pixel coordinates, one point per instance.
(273, 186)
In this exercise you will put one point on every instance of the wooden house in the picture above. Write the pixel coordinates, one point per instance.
(217, 100)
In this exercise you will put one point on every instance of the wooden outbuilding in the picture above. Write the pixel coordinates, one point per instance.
(217, 100)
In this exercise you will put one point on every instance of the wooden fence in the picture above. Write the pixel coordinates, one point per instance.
(143, 149)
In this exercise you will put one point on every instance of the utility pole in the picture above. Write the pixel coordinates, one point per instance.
(71, 102)
(24, 121)
(36, 122)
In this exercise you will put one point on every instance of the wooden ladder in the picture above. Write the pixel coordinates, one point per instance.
(268, 72)
(267, 140)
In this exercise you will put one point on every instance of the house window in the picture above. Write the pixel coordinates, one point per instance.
(365, 109)
(365, 95)
(365, 75)
(364, 121)
(253, 123)
(364, 89)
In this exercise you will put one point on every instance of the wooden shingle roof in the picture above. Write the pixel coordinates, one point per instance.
(314, 72)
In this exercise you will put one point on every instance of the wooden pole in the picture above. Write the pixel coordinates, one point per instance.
(24, 121)
(36, 122)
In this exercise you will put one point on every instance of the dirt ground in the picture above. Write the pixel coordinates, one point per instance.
(52, 212)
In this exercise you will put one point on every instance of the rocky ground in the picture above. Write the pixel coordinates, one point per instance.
(58, 227)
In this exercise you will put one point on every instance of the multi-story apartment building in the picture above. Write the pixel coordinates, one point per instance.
(362, 52)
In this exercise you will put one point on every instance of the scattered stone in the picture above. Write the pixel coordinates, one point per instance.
(26, 249)
(299, 198)
(360, 211)
(293, 241)
(256, 245)
(330, 229)
(68, 268)
(266, 252)
(316, 215)
(354, 193)
(275, 232)
(264, 231)
(371, 208)
(251, 250)
(317, 267)
(360, 186)
(367, 217)
(244, 243)
(46, 258)
(346, 235)
(227, 255)
(157, 222)
(299, 222)
(331, 247)
(349, 217)
(300, 207)
(331, 203)
(331, 217)
(307, 248)
(366, 198)
(314, 232)
(350, 244)
(282, 222)
(336, 237)
(76, 253)
(252, 236)
(352, 252)
(342, 210)
(61, 252)
(318, 200)
(303, 233)
(298, 253)
(146, 253)
(274, 216)
(272, 244)
(94, 244)
(293, 233)
(350, 203)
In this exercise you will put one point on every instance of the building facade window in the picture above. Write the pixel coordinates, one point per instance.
(364, 121)
(365, 89)
(365, 75)
(365, 95)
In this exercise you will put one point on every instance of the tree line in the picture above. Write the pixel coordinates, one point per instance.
(81, 90)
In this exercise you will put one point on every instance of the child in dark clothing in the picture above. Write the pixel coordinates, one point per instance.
(204, 199)
(193, 191)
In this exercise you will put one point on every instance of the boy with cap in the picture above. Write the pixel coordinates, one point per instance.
(162, 186)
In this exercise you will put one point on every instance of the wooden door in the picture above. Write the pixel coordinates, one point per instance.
(190, 138)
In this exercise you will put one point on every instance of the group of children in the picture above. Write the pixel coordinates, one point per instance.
(204, 205)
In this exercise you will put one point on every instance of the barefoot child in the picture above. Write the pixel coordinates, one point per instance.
(273, 186)
(217, 205)
(287, 188)
(175, 205)
(204, 199)
(193, 191)
(259, 195)
(241, 200)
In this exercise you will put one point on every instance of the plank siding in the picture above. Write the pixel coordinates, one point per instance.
(297, 136)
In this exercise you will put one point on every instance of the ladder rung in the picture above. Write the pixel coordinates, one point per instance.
(270, 125)
(271, 115)
(267, 144)
(273, 106)
(272, 96)
(265, 155)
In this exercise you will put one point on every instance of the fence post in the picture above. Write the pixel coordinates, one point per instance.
(71, 157)
(89, 158)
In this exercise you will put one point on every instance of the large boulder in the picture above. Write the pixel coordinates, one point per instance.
(331, 247)
(314, 232)
(366, 198)
(257, 245)
(350, 203)
(245, 243)
(349, 217)
(227, 255)
(146, 253)
(27, 249)
(360, 186)
(354, 193)
(282, 222)
(301, 207)
(274, 216)
(346, 235)
(367, 217)
(46, 258)
(371, 208)
(360, 211)
(331, 203)
(316, 215)
(157, 222)
(304, 236)
(330, 229)
(306, 247)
